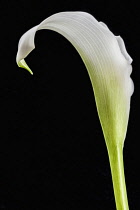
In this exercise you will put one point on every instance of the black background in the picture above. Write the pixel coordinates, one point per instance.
(53, 154)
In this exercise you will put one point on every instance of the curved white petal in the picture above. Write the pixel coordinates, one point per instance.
(106, 60)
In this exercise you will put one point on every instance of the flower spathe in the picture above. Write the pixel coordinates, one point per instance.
(107, 62)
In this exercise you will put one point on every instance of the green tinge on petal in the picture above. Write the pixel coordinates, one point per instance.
(24, 65)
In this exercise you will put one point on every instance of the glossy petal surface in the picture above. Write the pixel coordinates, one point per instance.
(107, 62)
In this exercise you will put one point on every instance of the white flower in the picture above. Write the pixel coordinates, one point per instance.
(107, 62)
(109, 68)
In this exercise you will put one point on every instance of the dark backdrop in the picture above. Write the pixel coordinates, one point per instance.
(53, 154)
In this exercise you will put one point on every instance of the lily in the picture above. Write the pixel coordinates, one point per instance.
(109, 68)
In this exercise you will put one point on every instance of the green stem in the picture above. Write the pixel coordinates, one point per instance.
(118, 178)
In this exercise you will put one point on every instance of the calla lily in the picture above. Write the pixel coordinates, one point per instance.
(109, 68)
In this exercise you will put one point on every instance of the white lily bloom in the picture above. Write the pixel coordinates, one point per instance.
(109, 68)
(107, 62)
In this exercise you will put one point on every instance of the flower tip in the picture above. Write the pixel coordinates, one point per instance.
(24, 65)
